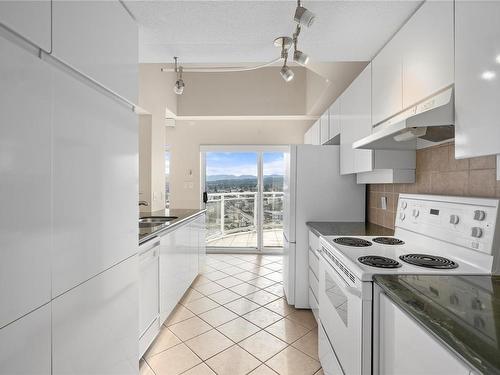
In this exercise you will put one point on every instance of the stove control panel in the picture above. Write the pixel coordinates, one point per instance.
(468, 222)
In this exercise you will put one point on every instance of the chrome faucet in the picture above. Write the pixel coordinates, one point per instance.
(143, 203)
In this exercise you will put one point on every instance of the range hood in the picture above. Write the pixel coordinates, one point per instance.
(431, 119)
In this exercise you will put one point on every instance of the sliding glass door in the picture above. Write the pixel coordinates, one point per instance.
(243, 190)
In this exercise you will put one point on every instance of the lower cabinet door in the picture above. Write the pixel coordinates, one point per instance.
(95, 325)
(327, 356)
(406, 348)
(25, 344)
(148, 289)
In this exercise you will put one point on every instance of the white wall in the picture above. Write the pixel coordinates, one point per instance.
(187, 136)
(259, 92)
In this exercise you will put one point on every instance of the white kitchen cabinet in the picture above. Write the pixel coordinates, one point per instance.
(148, 285)
(406, 348)
(316, 133)
(387, 80)
(202, 238)
(95, 169)
(25, 182)
(99, 39)
(95, 325)
(179, 262)
(31, 19)
(477, 78)
(324, 128)
(25, 344)
(334, 121)
(428, 52)
(355, 124)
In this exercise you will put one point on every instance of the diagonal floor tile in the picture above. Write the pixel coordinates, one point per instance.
(244, 289)
(303, 317)
(280, 306)
(241, 306)
(191, 295)
(238, 329)
(144, 368)
(263, 345)
(275, 276)
(229, 281)
(224, 296)
(261, 297)
(276, 289)
(232, 270)
(174, 361)
(209, 288)
(201, 305)
(179, 314)
(165, 340)
(262, 370)
(287, 330)
(218, 316)
(262, 317)
(201, 369)
(208, 344)
(190, 328)
(308, 344)
(246, 276)
(262, 282)
(292, 361)
(215, 275)
(233, 361)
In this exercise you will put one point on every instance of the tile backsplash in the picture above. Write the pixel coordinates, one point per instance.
(438, 172)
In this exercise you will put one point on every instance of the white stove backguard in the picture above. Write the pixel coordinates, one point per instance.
(467, 227)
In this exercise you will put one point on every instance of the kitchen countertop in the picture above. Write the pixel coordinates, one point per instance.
(463, 312)
(146, 234)
(362, 228)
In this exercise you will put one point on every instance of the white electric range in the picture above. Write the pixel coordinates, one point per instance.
(433, 235)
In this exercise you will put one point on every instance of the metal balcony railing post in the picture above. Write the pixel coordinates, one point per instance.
(222, 215)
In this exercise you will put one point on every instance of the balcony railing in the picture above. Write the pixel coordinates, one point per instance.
(232, 213)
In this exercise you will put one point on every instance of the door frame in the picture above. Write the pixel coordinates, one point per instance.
(259, 149)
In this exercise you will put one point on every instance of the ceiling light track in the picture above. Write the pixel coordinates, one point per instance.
(302, 16)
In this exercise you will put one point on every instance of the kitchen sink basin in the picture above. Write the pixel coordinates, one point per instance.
(155, 220)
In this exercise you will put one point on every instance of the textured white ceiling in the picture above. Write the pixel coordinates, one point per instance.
(243, 31)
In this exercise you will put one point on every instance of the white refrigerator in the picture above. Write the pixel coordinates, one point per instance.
(314, 190)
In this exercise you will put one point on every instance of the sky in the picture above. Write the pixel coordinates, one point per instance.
(243, 163)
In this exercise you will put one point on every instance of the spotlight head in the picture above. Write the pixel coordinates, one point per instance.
(179, 86)
(286, 73)
(304, 16)
(300, 57)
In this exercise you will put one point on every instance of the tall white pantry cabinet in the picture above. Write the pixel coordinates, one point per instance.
(68, 188)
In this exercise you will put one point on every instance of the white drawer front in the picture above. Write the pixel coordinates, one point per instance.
(313, 283)
(313, 262)
(313, 241)
(313, 303)
(327, 356)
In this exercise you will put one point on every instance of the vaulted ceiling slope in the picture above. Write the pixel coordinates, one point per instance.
(243, 31)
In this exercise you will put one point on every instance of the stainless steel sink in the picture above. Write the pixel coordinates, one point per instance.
(155, 220)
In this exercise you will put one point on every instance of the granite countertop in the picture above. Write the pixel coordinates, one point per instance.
(147, 233)
(362, 228)
(463, 312)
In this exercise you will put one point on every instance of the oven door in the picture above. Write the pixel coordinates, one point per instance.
(341, 311)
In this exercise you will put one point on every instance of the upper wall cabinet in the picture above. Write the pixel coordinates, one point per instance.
(416, 63)
(355, 123)
(99, 39)
(325, 127)
(477, 78)
(387, 81)
(313, 135)
(334, 120)
(428, 51)
(30, 19)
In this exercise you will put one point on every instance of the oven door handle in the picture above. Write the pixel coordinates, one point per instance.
(333, 272)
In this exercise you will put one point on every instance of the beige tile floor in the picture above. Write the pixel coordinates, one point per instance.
(234, 321)
(271, 238)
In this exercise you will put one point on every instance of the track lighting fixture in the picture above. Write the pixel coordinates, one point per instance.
(285, 43)
(298, 56)
(179, 84)
(303, 16)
